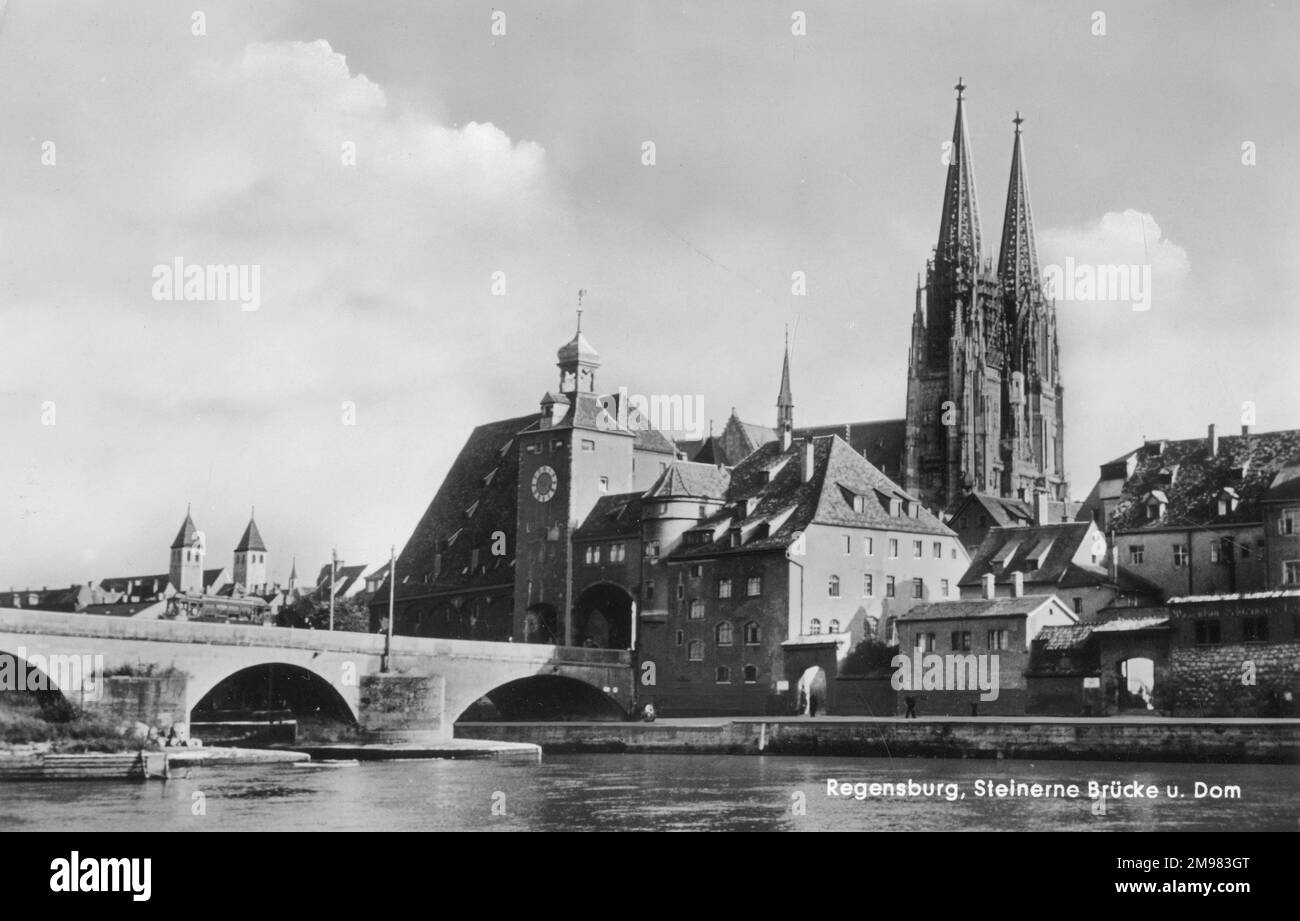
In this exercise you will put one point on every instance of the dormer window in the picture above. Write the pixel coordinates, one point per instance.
(895, 507)
(733, 537)
(1155, 505)
(750, 505)
(1228, 499)
(859, 504)
(473, 507)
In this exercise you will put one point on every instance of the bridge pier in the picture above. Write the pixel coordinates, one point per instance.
(404, 708)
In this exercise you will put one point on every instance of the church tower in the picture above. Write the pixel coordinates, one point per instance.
(955, 369)
(250, 559)
(1033, 419)
(984, 391)
(186, 571)
(785, 401)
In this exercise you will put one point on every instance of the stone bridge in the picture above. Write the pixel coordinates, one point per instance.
(422, 688)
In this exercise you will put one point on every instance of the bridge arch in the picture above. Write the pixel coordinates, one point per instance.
(542, 697)
(270, 685)
(25, 683)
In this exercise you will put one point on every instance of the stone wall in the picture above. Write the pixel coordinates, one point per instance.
(156, 701)
(1215, 680)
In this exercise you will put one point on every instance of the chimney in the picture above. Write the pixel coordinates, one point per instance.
(806, 470)
(1245, 430)
(1114, 564)
(1017, 584)
(1042, 513)
(989, 590)
(1213, 442)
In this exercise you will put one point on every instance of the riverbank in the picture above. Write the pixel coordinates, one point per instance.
(1244, 741)
(41, 761)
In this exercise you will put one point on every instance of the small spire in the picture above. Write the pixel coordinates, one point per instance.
(960, 87)
(581, 293)
(1018, 121)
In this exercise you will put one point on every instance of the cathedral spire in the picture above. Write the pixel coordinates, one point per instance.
(784, 399)
(1018, 254)
(959, 229)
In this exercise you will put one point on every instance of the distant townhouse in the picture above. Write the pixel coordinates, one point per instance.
(1204, 516)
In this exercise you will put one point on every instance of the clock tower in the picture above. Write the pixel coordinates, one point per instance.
(574, 453)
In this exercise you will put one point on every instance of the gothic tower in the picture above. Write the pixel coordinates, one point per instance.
(250, 559)
(958, 355)
(1033, 450)
(186, 571)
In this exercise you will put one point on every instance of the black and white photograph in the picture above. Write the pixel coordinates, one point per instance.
(630, 416)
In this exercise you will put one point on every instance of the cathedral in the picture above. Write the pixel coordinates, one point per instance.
(984, 392)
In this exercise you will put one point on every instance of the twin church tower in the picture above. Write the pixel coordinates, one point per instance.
(984, 393)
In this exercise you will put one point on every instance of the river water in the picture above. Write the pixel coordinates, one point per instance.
(654, 792)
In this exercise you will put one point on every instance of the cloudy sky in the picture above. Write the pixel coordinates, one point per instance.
(127, 141)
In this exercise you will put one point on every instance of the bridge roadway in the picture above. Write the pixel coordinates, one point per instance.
(428, 684)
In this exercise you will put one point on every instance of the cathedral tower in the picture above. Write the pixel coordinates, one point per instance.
(983, 393)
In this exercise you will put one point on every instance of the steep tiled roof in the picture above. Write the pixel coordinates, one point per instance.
(252, 539)
(1247, 464)
(977, 607)
(771, 504)
(612, 516)
(692, 481)
(1286, 485)
(880, 442)
(210, 576)
(1005, 551)
(1062, 637)
(484, 478)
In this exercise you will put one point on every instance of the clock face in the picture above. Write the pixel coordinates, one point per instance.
(544, 484)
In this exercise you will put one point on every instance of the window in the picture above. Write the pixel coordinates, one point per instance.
(868, 585)
(1216, 552)
(697, 570)
(953, 551)
(681, 637)
(649, 591)
(918, 588)
(533, 449)
(848, 544)
(1289, 523)
(1078, 605)
(722, 675)
(557, 444)
(751, 634)
(925, 641)
(893, 548)
(1137, 553)
(961, 640)
(814, 627)
(593, 555)
(696, 609)
(889, 586)
(695, 651)
(859, 503)
(588, 445)
(833, 587)
(1180, 554)
(733, 537)
(917, 549)
(938, 550)
(1254, 629)
(722, 634)
(751, 674)
(997, 639)
(617, 552)
(681, 591)
(1207, 632)
(833, 626)
(724, 588)
(1291, 572)
(943, 587)
(652, 549)
(868, 546)
(604, 484)
(754, 586)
